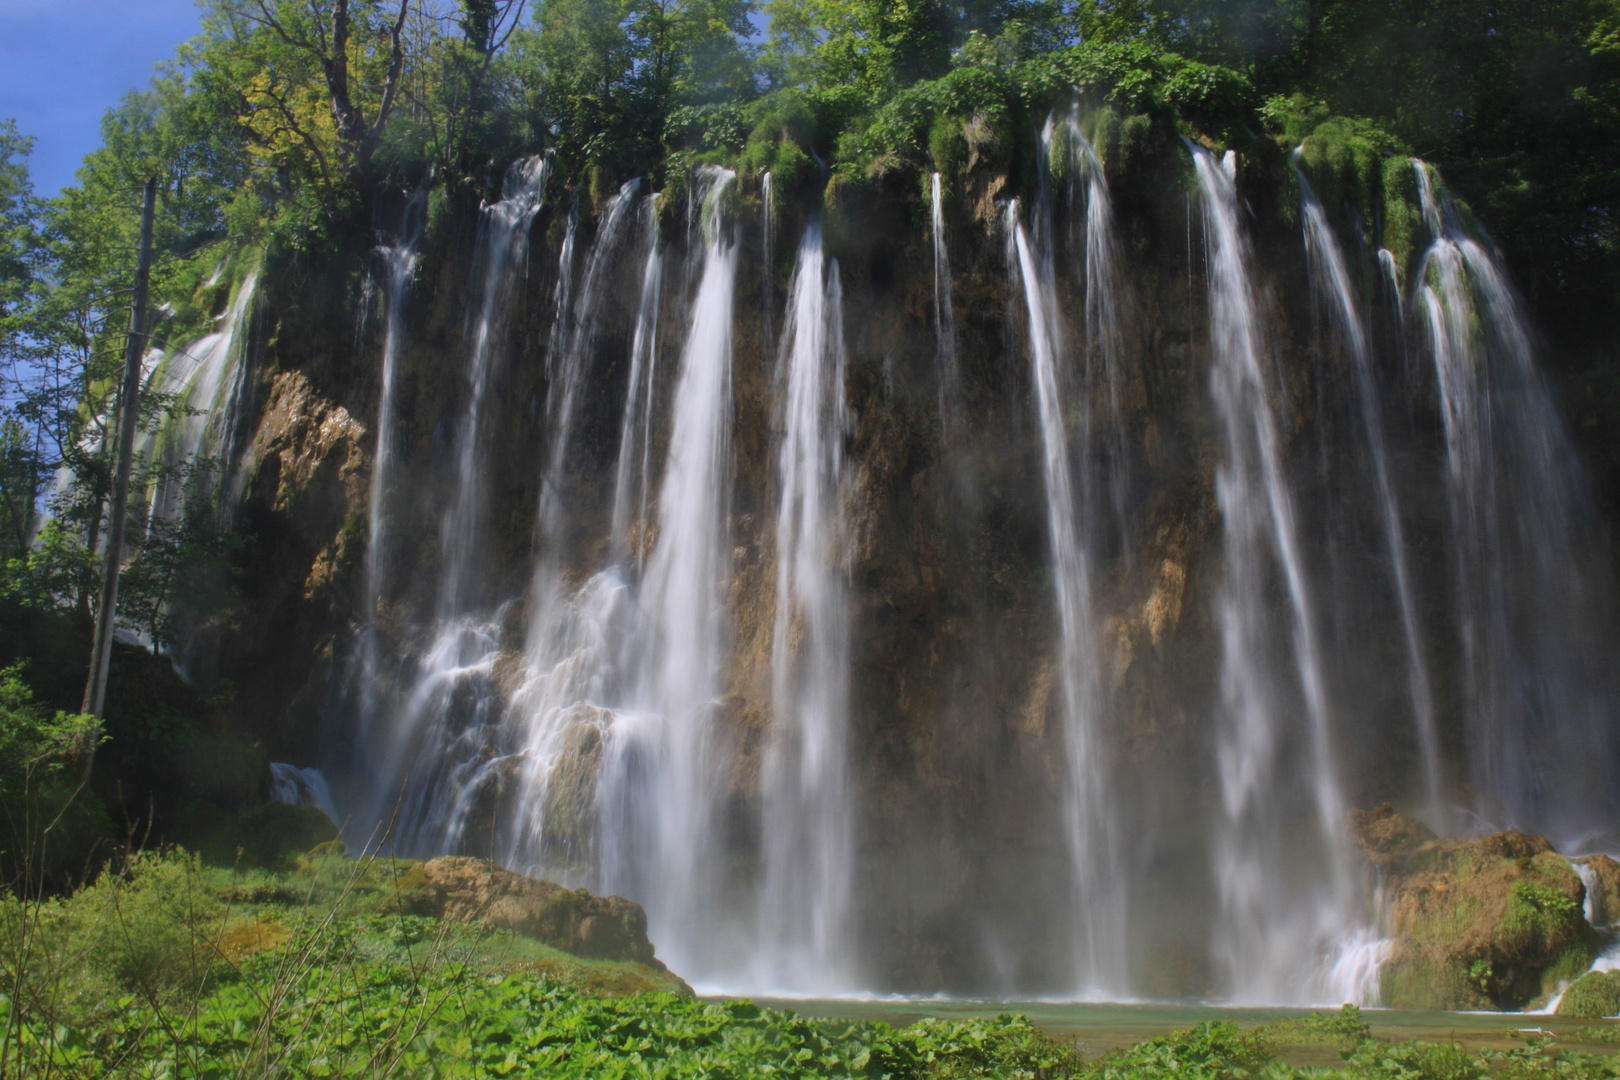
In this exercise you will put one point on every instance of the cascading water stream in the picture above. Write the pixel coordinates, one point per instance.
(1532, 594)
(581, 319)
(398, 257)
(635, 432)
(951, 405)
(808, 836)
(421, 771)
(1098, 902)
(1333, 282)
(1104, 344)
(206, 380)
(1287, 896)
(657, 785)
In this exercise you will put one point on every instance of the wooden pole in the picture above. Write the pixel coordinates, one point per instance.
(95, 691)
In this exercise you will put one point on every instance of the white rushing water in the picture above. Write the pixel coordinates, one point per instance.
(567, 366)
(659, 778)
(1098, 901)
(1332, 281)
(421, 765)
(808, 837)
(1531, 589)
(1280, 860)
(630, 483)
(205, 379)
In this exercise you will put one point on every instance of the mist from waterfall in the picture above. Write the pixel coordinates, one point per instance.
(1279, 849)
(1533, 594)
(1332, 281)
(1097, 905)
(808, 839)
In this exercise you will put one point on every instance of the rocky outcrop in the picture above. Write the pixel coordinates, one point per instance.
(1495, 922)
(472, 890)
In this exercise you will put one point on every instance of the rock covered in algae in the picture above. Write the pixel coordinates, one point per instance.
(1495, 922)
(470, 890)
(1595, 994)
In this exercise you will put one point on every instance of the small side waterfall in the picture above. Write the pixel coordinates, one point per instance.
(1098, 902)
(1332, 281)
(660, 768)
(1532, 592)
(808, 810)
(1286, 892)
(205, 378)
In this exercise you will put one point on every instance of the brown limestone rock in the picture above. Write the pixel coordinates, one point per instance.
(472, 890)
(1489, 923)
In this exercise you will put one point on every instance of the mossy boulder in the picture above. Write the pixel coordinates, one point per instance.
(1495, 922)
(1595, 994)
(272, 836)
(471, 890)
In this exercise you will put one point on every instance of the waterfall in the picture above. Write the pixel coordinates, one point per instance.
(579, 320)
(767, 230)
(1532, 592)
(1098, 902)
(1332, 281)
(635, 431)
(808, 809)
(425, 772)
(951, 405)
(398, 257)
(504, 241)
(1285, 888)
(206, 380)
(1104, 347)
(658, 784)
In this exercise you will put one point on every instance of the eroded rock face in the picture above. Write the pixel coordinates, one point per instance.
(1495, 922)
(471, 890)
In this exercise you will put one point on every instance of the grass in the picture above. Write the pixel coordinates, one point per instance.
(168, 968)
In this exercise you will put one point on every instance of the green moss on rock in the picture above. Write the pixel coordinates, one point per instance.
(1595, 994)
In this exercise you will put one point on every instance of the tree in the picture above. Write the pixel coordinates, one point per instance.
(316, 81)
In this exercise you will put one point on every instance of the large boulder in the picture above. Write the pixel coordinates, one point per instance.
(472, 890)
(1495, 922)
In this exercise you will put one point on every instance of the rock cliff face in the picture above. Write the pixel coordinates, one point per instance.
(955, 737)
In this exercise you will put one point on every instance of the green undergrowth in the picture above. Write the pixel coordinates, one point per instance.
(166, 967)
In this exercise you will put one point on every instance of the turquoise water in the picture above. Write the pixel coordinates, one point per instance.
(1100, 1027)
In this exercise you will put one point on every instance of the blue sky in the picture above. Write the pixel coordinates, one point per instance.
(63, 63)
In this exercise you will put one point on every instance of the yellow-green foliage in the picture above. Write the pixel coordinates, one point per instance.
(1595, 994)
